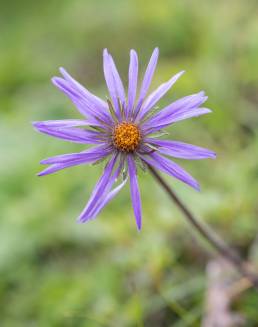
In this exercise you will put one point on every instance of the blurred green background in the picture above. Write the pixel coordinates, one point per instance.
(55, 272)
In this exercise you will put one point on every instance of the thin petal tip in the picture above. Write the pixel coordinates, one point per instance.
(38, 126)
(213, 155)
(207, 110)
(139, 227)
(35, 124)
(197, 187)
(55, 80)
(105, 52)
(80, 221)
(62, 70)
(44, 162)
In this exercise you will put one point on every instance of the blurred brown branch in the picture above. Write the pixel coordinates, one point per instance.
(221, 291)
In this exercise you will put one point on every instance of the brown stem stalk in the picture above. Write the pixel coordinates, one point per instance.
(229, 254)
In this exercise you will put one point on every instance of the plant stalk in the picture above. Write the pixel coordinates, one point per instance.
(244, 268)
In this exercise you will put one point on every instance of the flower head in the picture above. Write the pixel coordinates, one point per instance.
(122, 130)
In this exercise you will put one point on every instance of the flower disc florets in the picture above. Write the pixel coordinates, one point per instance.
(126, 137)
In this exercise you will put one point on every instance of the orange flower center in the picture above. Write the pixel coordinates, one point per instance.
(126, 137)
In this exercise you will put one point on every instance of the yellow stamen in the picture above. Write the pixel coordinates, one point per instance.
(126, 137)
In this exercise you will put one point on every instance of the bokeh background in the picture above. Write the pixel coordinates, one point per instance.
(55, 272)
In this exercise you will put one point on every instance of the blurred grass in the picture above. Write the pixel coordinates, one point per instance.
(55, 272)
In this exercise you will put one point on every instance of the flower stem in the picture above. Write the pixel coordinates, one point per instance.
(229, 254)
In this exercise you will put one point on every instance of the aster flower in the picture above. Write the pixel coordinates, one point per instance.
(123, 130)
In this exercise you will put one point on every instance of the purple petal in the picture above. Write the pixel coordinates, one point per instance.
(155, 96)
(76, 135)
(132, 81)
(147, 78)
(84, 102)
(60, 123)
(181, 109)
(83, 105)
(181, 150)
(98, 104)
(54, 168)
(110, 81)
(73, 159)
(118, 82)
(89, 155)
(106, 197)
(135, 193)
(99, 190)
(190, 101)
(184, 114)
(169, 167)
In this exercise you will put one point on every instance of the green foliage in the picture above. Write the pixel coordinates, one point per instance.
(55, 272)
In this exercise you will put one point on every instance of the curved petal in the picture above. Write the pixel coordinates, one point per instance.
(73, 159)
(88, 155)
(181, 150)
(147, 78)
(60, 123)
(98, 104)
(85, 103)
(155, 96)
(56, 167)
(110, 81)
(171, 168)
(183, 114)
(106, 197)
(135, 193)
(76, 135)
(132, 82)
(118, 82)
(99, 190)
(184, 108)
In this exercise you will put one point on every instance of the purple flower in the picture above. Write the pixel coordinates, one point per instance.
(124, 131)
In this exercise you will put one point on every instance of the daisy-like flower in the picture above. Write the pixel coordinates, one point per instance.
(124, 131)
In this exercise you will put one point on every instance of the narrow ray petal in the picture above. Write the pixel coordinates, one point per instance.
(110, 81)
(98, 103)
(60, 123)
(181, 150)
(183, 114)
(73, 159)
(147, 78)
(188, 102)
(89, 155)
(181, 109)
(132, 81)
(171, 168)
(99, 189)
(87, 105)
(107, 199)
(118, 82)
(75, 135)
(56, 167)
(106, 196)
(135, 193)
(155, 96)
